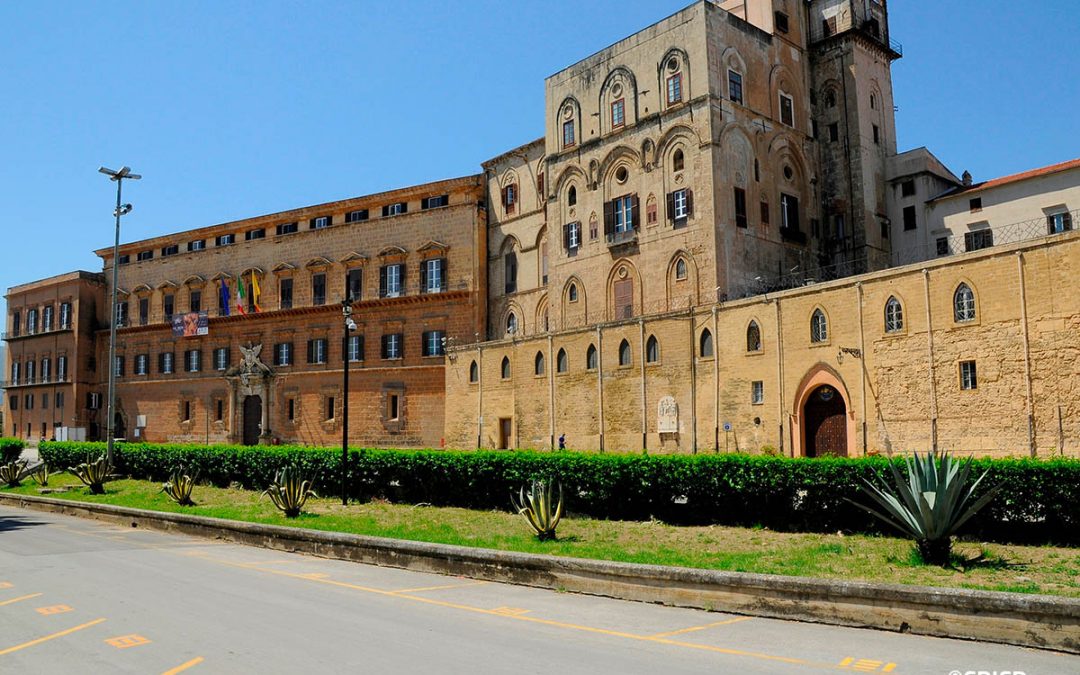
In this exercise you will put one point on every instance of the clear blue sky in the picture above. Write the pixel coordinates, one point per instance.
(235, 109)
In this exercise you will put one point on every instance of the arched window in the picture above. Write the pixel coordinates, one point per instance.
(625, 357)
(590, 358)
(819, 327)
(474, 372)
(677, 161)
(753, 337)
(538, 364)
(963, 304)
(562, 361)
(571, 196)
(506, 368)
(894, 316)
(830, 99)
(680, 269)
(511, 323)
(652, 350)
(572, 293)
(705, 344)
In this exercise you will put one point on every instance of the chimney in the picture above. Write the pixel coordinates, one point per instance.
(966, 178)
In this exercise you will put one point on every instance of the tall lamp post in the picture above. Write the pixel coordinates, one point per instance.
(350, 326)
(121, 210)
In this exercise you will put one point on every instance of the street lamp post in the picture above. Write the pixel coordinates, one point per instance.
(350, 325)
(121, 210)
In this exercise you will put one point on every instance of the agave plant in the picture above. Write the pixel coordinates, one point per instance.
(931, 504)
(12, 472)
(93, 474)
(536, 507)
(40, 474)
(180, 485)
(290, 491)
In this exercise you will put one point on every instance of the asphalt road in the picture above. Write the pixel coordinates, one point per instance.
(79, 596)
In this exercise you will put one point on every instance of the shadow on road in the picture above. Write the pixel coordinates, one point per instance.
(10, 523)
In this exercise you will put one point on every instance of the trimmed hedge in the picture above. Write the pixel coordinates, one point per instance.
(1041, 503)
(10, 449)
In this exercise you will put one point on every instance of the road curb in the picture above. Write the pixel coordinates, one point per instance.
(1045, 622)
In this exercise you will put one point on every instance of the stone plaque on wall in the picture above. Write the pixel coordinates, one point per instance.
(667, 416)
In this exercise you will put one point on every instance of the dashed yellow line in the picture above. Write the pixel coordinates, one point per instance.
(184, 666)
(439, 588)
(697, 628)
(24, 597)
(62, 633)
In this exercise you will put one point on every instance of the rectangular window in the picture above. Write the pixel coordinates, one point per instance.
(789, 213)
(356, 348)
(193, 360)
(435, 202)
(93, 400)
(59, 400)
(221, 358)
(680, 205)
(144, 311)
(285, 293)
(674, 88)
(1059, 222)
(354, 280)
(317, 351)
(618, 113)
(510, 198)
(13, 403)
(573, 236)
(968, 378)
(122, 314)
(283, 354)
(909, 218)
(391, 282)
(787, 110)
(834, 132)
(142, 364)
(31, 322)
(168, 306)
(734, 81)
(434, 279)
(195, 301)
(765, 213)
(252, 235)
(329, 408)
(318, 289)
(433, 343)
(170, 250)
(320, 222)
(568, 133)
(907, 188)
(197, 245)
(781, 21)
(392, 346)
(510, 272)
(28, 403)
(975, 205)
(395, 209)
(186, 412)
(291, 409)
(61, 369)
(219, 410)
(740, 208)
(943, 246)
(144, 255)
(287, 228)
(356, 216)
(877, 135)
(16, 324)
(979, 239)
(118, 366)
(65, 315)
(623, 208)
(884, 226)
(166, 363)
(124, 259)
(47, 319)
(225, 240)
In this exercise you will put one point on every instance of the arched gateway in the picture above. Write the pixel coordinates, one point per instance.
(822, 420)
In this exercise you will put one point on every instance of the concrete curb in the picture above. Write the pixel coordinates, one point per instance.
(1045, 622)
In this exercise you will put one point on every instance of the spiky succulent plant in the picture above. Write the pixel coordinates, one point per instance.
(40, 474)
(11, 473)
(290, 491)
(935, 499)
(180, 486)
(93, 474)
(536, 507)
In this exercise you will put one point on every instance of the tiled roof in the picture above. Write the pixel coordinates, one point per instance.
(1014, 178)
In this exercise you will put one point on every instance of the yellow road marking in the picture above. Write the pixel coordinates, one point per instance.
(184, 666)
(62, 633)
(533, 619)
(6, 584)
(866, 665)
(511, 611)
(126, 641)
(438, 588)
(697, 628)
(54, 609)
(14, 600)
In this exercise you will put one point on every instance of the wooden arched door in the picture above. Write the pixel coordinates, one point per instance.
(825, 418)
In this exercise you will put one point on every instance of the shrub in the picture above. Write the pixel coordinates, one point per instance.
(10, 449)
(1041, 502)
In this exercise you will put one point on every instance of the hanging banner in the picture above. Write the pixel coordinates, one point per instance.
(192, 324)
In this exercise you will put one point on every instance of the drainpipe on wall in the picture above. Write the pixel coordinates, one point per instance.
(693, 383)
(780, 377)
(644, 404)
(862, 360)
(716, 378)
(1027, 354)
(930, 358)
(551, 392)
(479, 395)
(600, 380)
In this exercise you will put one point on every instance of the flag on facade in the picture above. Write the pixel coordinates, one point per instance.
(225, 296)
(255, 293)
(240, 295)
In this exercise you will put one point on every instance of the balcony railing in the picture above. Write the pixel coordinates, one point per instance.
(13, 335)
(35, 381)
(624, 238)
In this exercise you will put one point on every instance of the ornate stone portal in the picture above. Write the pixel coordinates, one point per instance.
(667, 416)
(251, 379)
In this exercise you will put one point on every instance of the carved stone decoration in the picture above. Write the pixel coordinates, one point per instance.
(250, 377)
(667, 416)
